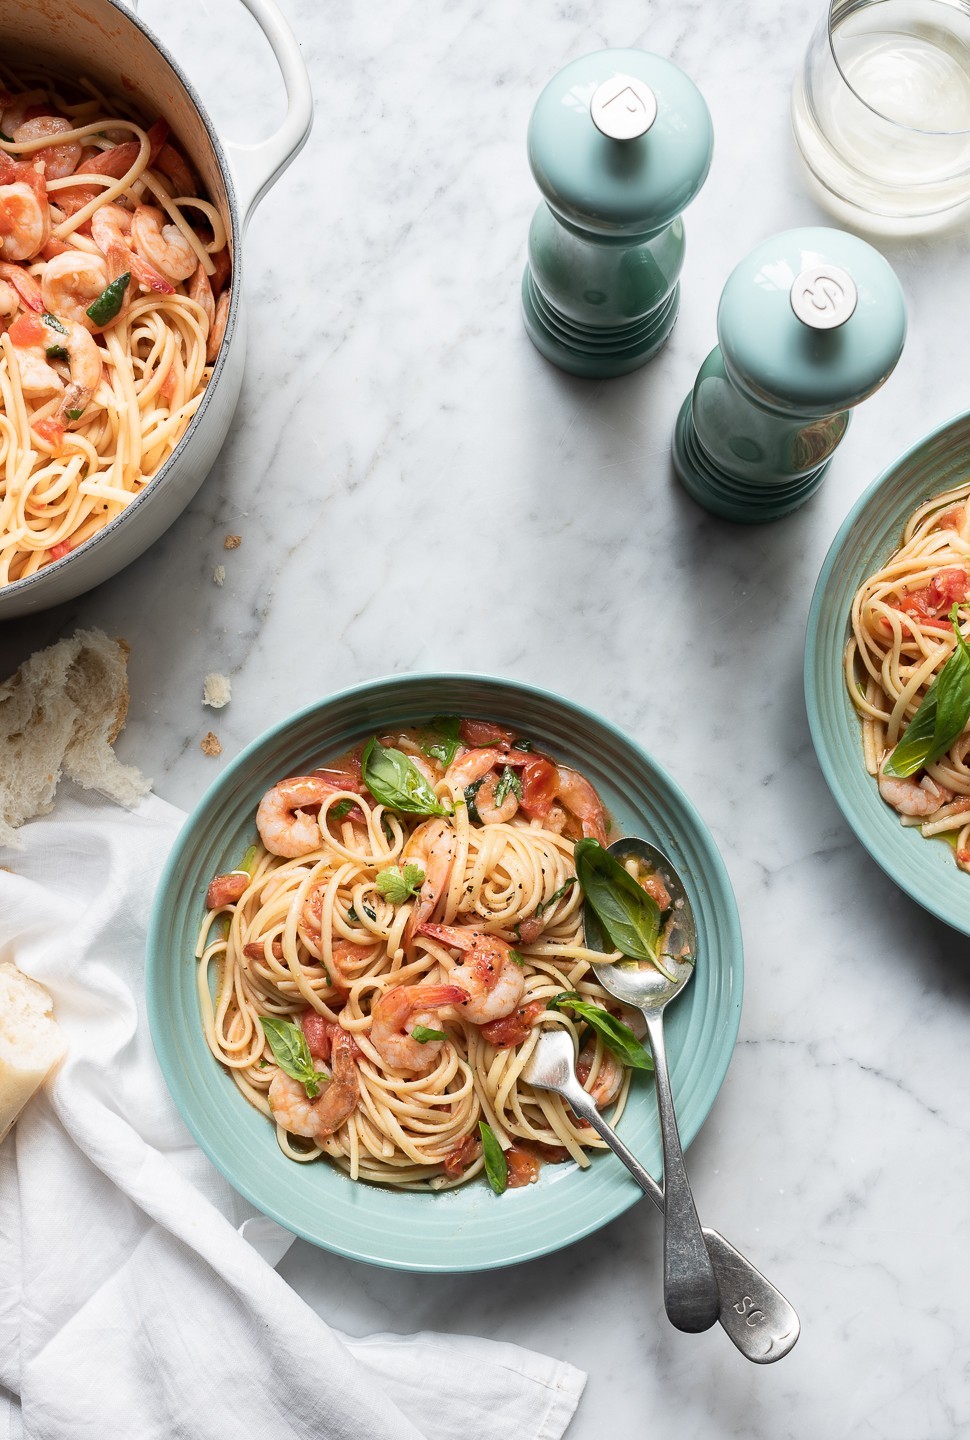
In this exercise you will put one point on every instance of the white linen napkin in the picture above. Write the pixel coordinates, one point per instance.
(135, 1295)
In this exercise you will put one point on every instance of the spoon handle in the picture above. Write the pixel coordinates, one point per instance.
(690, 1287)
(756, 1316)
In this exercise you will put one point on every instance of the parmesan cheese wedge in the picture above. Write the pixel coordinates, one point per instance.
(31, 1042)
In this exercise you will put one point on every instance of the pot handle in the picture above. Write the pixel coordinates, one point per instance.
(258, 166)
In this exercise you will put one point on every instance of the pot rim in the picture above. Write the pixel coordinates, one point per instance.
(40, 577)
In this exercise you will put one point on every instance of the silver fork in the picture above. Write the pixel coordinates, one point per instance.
(756, 1316)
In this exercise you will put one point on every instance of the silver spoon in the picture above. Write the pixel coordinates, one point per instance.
(690, 1287)
(756, 1316)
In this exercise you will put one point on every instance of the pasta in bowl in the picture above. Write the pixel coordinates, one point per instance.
(428, 1220)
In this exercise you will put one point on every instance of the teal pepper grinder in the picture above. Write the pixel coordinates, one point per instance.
(811, 323)
(619, 143)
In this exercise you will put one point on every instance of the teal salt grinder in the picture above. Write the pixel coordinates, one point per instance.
(809, 325)
(619, 143)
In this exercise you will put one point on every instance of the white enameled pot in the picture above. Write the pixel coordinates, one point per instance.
(106, 41)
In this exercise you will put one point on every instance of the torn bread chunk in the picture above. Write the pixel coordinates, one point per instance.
(31, 1042)
(60, 715)
(216, 690)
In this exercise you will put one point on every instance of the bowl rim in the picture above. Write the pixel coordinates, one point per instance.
(22, 587)
(732, 959)
(828, 762)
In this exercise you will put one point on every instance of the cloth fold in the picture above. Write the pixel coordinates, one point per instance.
(137, 1294)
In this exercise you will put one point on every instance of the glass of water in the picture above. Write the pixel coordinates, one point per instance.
(881, 107)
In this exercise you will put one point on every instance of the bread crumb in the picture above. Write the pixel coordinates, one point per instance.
(210, 744)
(216, 690)
(232, 542)
(219, 574)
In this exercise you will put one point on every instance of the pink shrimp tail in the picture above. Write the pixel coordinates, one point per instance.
(447, 935)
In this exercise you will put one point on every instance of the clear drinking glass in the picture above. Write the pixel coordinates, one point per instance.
(881, 106)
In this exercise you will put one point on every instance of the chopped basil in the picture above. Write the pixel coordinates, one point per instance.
(470, 792)
(446, 742)
(75, 414)
(516, 958)
(110, 301)
(395, 782)
(629, 917)
(522, 745)
(941, 717)
(615, 1035)
(397, 885)
(52, 323)
(496, 1165)
(423, 1034)
(545, 905)
(341, 809)
(291, 1053)
(508, 782)
(354, 918)
(56, 352)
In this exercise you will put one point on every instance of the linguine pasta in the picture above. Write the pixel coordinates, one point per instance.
(114, 275)
(901, 639)
(316, 936)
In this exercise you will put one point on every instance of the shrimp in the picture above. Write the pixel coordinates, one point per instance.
(390, 1032)
(176, 170)
(14, 107)
(609, 1076)
(492, 982)
(342, 952)
(582, 802)
(84, 358)
(9, 301)
(482, 765)
(910, 796)
(317, 1119)
(283, 827)
(59, 161)
(432, 846)
(218, 328)
(24, 283)
(162, 244)
(111, 227)
(29, 337)
(201, 291)
(70, 283)
(25, 221)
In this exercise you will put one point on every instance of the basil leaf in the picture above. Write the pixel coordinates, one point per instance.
(517, 959)
(496, 1165)
(342, 808)
(545, 905)
(7, 138)
(398, 886)
(75, 414)
(56, 352)
(52, 323)
(395, 782)
(630, 918)
(615, 1035)
(508, 781)
(423, 1034)
(522, 745)
(291, 1053)
(110, 301)
(470, 792)
(447, 746)
(942, 715)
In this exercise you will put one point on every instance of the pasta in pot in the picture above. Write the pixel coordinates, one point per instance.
(416, 952)
(902, 639)
(114, 294)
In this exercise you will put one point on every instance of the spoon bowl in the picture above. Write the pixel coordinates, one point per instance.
(691, 1296)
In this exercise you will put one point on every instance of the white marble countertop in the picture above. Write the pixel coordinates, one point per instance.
(398, 433)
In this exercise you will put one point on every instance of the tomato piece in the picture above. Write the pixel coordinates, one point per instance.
(523, 1166)
(318, 1034)
(479, 733)
(62, 548)
(461, 1155)
(157, 135)
(27, 330)
(934, 600)
(540, 782)
(512, 1029)
(50, 430)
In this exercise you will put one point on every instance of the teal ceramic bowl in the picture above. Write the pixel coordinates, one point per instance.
(924, 869)
(468, 1228)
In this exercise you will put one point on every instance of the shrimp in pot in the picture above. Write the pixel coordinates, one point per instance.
(162, 244)
(492, 981)
(25, 221)
(284, 827)
(910, 796)
(71, 283)
(111, 227)
(59, 161)
(432, 846)
(323, 1116)
(396, 1014)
